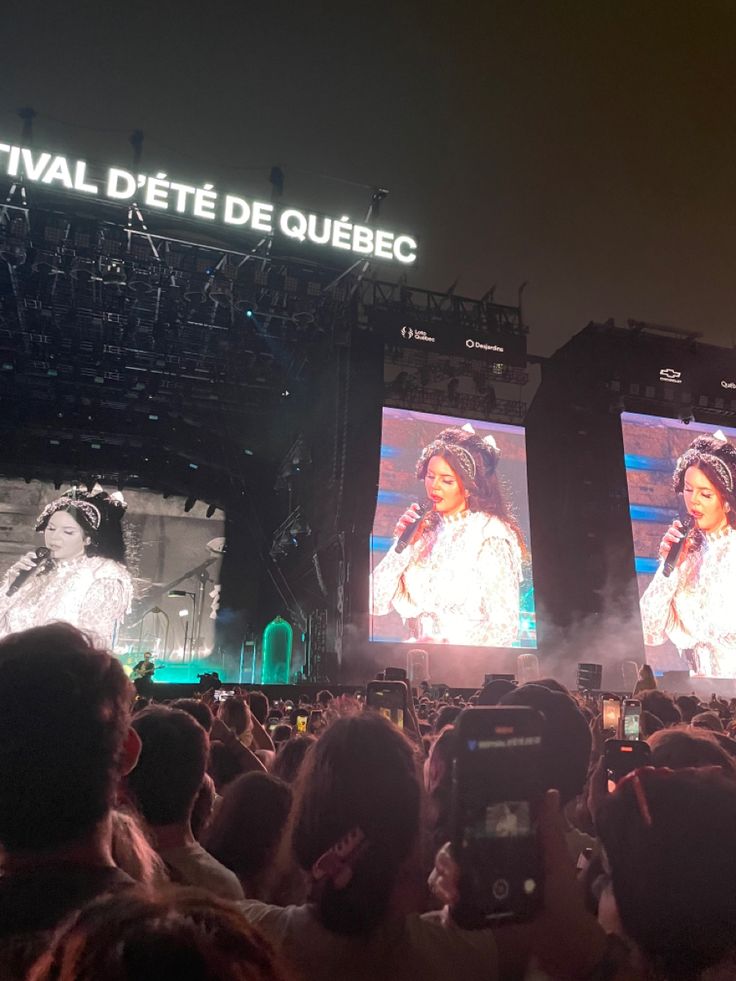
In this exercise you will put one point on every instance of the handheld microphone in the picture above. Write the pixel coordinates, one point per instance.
(42, 553)
(674, 553)
(408, 532)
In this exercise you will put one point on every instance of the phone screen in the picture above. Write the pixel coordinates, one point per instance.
(389, 699)
(496, 795)
(611, 713)
(632, 716)
(301, 721)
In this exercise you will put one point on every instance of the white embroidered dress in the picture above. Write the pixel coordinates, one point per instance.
(91, 593)
(696, 607)
(459, 584)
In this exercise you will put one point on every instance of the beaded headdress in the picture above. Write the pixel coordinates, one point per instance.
(466, 451)
(716, 453)
(88, 504)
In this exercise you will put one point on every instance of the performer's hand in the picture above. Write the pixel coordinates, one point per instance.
(24, 564)
(673, 535)
(409, 517)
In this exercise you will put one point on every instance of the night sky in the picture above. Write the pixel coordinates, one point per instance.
(587, 148)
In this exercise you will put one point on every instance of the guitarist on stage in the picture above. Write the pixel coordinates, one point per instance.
(143, 675)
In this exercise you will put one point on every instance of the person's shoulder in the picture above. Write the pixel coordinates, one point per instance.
(491, 526)
(103, 568)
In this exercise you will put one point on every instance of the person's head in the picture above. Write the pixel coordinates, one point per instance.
(567, 740)
(706, 476)
(185, 934)
(446, 717)
(259, 708)
(198, 709)
(169, 773)
(290, 756)
(324, 698)
(681, 748)
(646, 675)
(82, 522)
(671, 846)
(459, 472)
(248, 826)
(689, 706)
(356, 819)
(147, 655)
(707, 720)
(235, 713)
(64, 737)
(281, 734)
(493, 692)
(223, 765)
(661, 705)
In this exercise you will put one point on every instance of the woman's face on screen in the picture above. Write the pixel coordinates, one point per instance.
(443, 487)
(64, 537)
(703, 501)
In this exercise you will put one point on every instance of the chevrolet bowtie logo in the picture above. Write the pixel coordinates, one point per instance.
(669, 374)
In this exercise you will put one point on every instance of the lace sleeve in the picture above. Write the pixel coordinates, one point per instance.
(105, 603)
(387, 586)
(656, 605)
(499, 570)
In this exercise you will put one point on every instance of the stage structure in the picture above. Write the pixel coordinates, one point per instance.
(236, 369)
(580, 503)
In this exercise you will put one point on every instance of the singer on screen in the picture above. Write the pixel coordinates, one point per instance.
(692, 598)
(80, 576)
(453, 571)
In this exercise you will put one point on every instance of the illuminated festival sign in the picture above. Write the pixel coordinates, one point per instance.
(205, 203)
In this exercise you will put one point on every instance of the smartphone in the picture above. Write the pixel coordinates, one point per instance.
(611, 713)
(301, 719)
(622, 756)
(395, 674)
(631, 718)
(316, 721)
(272, 721)
(388, 698)
(497, 790)
(222, 694)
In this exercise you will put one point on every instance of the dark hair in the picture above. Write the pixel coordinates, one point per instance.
(439, 786)
(683, 748)
(362, 773)
(181, 933)
(107, 539)
(700, 454)
(249, 824)
(64, 716)
(689, 706)
(673, 880)
(662, 705)
(198, 709)
(166, 781)
(484, 488)
(493, 692)
(258, 702)
(223, 765)
(446, 717)
(282, 733)
(567, 740)
(291, 755)
(235, 713)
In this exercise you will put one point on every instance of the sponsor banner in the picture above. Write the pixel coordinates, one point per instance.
(495, 347)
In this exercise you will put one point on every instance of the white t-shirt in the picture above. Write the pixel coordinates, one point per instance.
(193, 866)
(416, 948)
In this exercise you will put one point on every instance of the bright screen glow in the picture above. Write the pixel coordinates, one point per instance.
(465, 578)
(129, 610)
(688, 617)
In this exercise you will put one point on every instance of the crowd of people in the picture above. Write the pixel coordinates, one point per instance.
(206, 839)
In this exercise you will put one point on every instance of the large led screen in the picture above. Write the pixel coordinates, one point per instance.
(464, 575)
(134, 570)
(684, 472)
